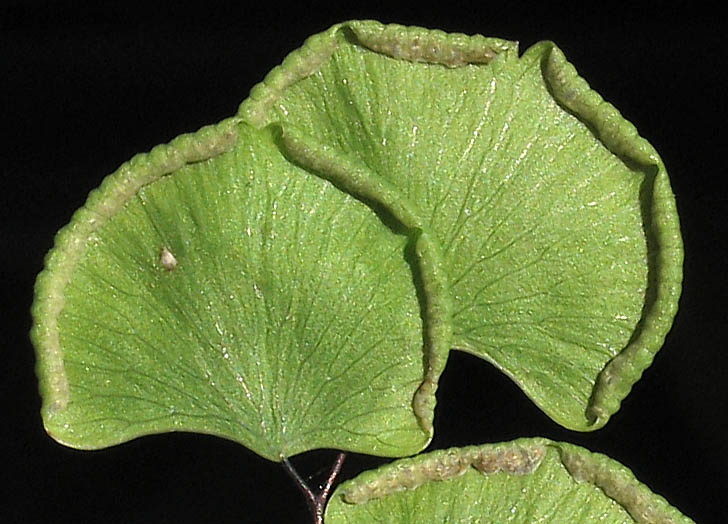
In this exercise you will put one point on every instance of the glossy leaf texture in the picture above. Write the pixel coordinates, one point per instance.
(524, 481)
(295, 277)
(554, 223)
(288, 322)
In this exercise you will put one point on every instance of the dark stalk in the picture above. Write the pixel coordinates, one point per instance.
(316, 501)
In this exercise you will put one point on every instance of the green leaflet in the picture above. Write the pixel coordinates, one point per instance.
(524, 481)
(554, 223)
(295, 277)
(289, 321)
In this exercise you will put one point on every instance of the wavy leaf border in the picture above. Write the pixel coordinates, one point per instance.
(519, 457)
(570, 91)
(413, 44)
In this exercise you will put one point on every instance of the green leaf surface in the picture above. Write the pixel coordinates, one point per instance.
(295, 277)
(524, 481)
(289, 321)
(552, 221)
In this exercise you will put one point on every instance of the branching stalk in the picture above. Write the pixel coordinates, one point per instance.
(316, 500)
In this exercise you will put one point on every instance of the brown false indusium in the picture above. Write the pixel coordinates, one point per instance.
(416, 44)
(520, 457)
(409, 474)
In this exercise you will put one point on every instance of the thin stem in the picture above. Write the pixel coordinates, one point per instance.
(307, 492)
(316, 501)
(335, 470)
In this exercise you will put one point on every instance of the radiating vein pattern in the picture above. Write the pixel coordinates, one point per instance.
(296, 276)
(290, 320)
(541, 225)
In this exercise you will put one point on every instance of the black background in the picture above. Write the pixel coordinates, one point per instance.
(82, 90)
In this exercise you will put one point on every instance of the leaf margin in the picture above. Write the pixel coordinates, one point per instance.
(570, 91)
(70, 244)
(662, 231)
(522, 456)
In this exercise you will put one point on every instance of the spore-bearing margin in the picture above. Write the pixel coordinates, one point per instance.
(408, 474)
